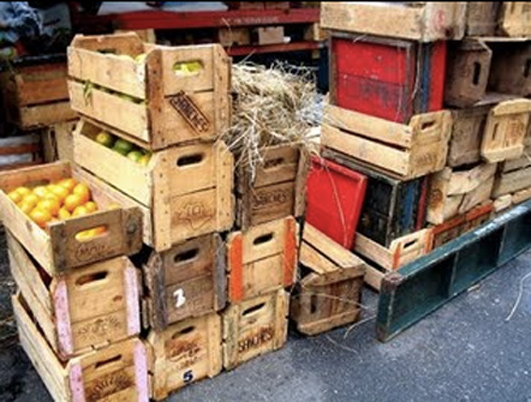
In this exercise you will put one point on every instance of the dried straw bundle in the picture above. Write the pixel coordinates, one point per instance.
(271, 106)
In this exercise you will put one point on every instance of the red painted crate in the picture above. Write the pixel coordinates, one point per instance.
(335, 196)
(387, 78)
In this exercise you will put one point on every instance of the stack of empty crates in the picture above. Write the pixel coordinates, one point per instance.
(412, 108)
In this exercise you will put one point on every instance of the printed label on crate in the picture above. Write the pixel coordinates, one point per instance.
(90, 250)
(275, 197)
(107, 385)
(183, 353)
(195, 214)
(190, 112)
(256, 339)
(95, 331)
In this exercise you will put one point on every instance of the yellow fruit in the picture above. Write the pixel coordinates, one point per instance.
(69, 184)
(84, 236)
(98, 231)
(91, 206)
(49, 204)
(31, 199)
(80, 211)
(40, 217)
(72, 201)
(113, 205)
(40, 191)
(63, 214)
(26, 207)
(51, 196)
(83, 191)
(144, 160)
(15, 196)
(105, 139)
(60, 192)
(23, 191)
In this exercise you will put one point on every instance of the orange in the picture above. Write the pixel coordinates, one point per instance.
(63, 214)
(23, 191)
(80, 211)
(49, 204)
(69, 184)
(84, 236)
(26, 207)
(15, 197)
(83, 191)
(51, 196)
(40, 217)
(91, 207)
(31, 199)
(99, 230)
(113, 205)
(40, 191)
(72, 201)
(61, 193)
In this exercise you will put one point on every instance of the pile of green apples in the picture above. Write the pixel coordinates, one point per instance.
(123, 147)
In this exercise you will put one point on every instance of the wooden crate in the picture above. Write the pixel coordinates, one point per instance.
(516, 18)
(115, 373)
(186, 281)
(453, 192)
(505, 130)
(185, 191)
(234, 36)
(512, 181)
(184, 353)
(392, 208)
(85, 309)
(56, 249)
(401, 251)
(468, 126)
(467, 72)
(268, 35)
(425, 22)
(328, 294)
(20, 151)
(151, 103)
(361, 80)
(35, 92)
(277, 190)
(58, 143)
(510, 67)
(482, 18)
(403, 151)
(254, 327)
(455, 227)
(261, 259)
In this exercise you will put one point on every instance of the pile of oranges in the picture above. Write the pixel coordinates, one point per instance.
(56, 202)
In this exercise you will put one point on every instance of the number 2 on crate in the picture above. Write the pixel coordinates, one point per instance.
(180, 299)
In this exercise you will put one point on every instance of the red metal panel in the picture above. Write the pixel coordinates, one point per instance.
(438, 68)
(335, 196)
(288, 47)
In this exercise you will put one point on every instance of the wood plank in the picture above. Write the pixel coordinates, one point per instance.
(311, 258)
(45, 115)
(512, 182)
(521, 196)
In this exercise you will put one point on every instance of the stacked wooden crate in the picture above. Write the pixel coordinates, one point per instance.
(172, 103)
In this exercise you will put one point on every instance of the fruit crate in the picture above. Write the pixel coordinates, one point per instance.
(328, 294)
(186, 281)
(254, 327)
(20, 151)
(261, 259)
(404, 151)
(155, 96)
(183, 353)
(35, 93)
(58, 142)
(183, 191)
(515, 17)
(482, 18)
(361, 80)
(117, 372)
(82, 310)
(453, 192)
(56, 248)
(277, 190)
(419, 21)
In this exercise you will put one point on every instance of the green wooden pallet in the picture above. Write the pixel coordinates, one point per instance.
(421, 287)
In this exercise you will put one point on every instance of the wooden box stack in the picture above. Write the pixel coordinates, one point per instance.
(429, 133)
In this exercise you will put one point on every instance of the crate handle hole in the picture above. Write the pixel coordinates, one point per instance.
(108, 362)
(263, 239)
(273, 163)
(87, 235)
(186, 256)
(313, 304)
(183, 331)
(527, 68)
(91, 278)
(477, 73)
(253, 309)
(494, 131)
(427, 125)
(187, 68)
(409, 243)
(190, 159)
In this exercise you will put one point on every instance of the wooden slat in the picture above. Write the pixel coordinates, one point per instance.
(45, 115)
(512, 182)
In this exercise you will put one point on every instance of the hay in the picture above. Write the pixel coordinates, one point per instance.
(271, 106)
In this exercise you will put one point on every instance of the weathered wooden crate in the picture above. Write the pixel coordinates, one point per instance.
(392, 208)
(512, 181)
(516, 18)
(482, 18)
(234, 36)
(85, 309)
(58, 142)
(185, 191)
(185, 352)
(115, 373)
(261, 259)
(420, 21)
(453, 192)
(186, 281)
(467, 72)
(510, 66)
(505, 130)
(254, 327)
(468, 126)
(35, 92)
(405, 151)
(328, 295)
(20, 151)
(56, 249)
(151, 102)
(455, 227)
(361, 80)
(277, 190)
(506, 201)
